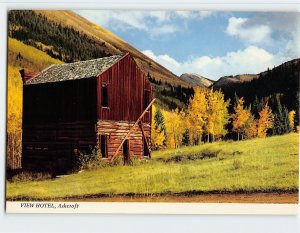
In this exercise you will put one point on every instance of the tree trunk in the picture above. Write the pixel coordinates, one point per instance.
(199, 140)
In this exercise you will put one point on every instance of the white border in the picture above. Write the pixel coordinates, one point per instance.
(151, 208)
(133, 222)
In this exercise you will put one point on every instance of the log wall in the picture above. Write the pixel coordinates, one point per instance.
(50, 147)
(116, 132)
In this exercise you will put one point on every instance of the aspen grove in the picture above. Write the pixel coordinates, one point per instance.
(207, 119)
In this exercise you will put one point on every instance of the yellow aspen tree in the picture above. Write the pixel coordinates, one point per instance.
(292, 119)
(196, 116)
(211, 113)
(240, 118)
(175, 128)
(251, 128)
(217, 115)
(157, 138)
(222, 116)
(265, 121)
(14, 118)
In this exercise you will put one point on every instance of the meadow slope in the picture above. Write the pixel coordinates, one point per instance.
(258, 165)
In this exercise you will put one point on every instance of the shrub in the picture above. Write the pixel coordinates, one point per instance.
(86, 160)
(116, 162)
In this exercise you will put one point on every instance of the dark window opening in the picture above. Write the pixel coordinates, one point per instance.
(145, 149)
(104, 96)
(126, 150)
(103, 146)
(146, 98)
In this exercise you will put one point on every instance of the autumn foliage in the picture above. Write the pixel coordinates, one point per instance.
(241, 118)
(207, 119)
(204, 120)
(265, 121)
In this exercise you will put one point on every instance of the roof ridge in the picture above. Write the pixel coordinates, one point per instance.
(75, 70)
(95, 59)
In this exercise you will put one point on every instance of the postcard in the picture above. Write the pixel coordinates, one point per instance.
(177, 112)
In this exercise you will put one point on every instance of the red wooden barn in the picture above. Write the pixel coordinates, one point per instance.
(70, 107)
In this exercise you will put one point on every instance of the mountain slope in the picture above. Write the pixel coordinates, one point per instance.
(196, 80)
(227, 80)
(282, 80)
(112, 44)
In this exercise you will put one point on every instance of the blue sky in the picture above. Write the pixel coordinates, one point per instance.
(212, 44)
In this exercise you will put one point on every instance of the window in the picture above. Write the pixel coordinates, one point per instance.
(103, 145)
(104, 96)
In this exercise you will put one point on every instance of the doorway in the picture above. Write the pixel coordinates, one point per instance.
(126, 151)
(145, 148)
(103, 146)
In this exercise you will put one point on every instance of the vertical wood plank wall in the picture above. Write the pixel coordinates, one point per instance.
(126, 87)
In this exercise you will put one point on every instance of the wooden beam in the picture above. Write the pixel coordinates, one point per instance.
(146, 140)
(127, 135)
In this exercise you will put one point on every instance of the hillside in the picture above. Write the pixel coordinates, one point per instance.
(196, 80)
(113, 44)
(282, 81)
(228, 80)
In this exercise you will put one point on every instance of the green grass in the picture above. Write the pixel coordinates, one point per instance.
(258, 165)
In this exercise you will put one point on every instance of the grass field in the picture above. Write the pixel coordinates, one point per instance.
(258, 165)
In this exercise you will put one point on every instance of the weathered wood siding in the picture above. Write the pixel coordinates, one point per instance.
(116, 132)
(50, 147)
(57, 118)
(126, 88)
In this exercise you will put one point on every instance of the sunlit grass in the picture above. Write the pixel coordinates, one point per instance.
(248, 166)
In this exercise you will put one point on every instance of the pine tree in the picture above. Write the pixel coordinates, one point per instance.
(158, 129)
(281, 119)
(159, 120)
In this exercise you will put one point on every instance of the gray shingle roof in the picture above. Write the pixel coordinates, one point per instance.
(76, 70)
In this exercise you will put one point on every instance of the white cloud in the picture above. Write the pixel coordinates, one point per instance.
(251, 60)
(164, 29)
(155, 23)
(278, 31)
(249, 33)
(164, 60)
(193, 14)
